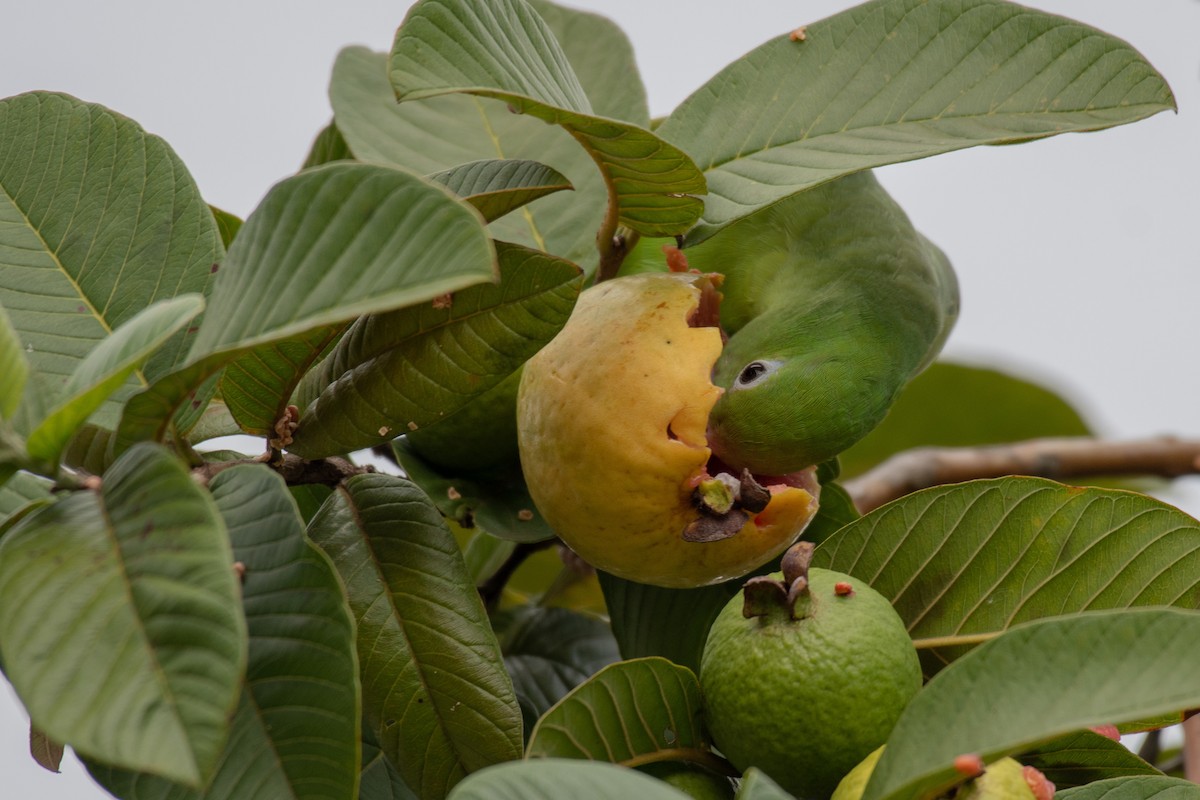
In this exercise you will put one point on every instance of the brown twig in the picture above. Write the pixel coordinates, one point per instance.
(295, 470)
(491, 589)
(1191, 748)
(1059, 459)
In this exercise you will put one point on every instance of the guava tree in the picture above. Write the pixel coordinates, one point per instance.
(297, 623)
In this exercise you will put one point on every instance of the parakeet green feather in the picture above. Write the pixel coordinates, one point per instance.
(833, 301)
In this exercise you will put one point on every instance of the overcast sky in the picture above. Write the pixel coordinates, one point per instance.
(1079, 256)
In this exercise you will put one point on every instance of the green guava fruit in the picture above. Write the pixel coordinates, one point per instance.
(804, 674)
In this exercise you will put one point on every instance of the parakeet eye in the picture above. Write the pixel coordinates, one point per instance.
(755, 373)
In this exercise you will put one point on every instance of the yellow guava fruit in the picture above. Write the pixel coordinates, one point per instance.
(1005, 779)
(612, 418)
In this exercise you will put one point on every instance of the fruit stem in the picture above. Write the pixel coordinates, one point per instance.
(692, 755)
(763, 594)
(796, 562)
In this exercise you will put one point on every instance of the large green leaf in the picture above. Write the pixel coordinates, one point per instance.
(896, 80)
(496, 187)
(443, 132)
(1083, 757)
(954, 405)
(295, 733)
(99, 220)
(550, 651)
(324, 247)
(629, 713)
(302, 674)
(552, 779)
(435, 690)
(415, 366)
(1139, 788)
(122, 630)
(655, 621)
(497, 501)
(1040, 680)
(503, 50)
(104, 369)
(962, 563)
(13, 367)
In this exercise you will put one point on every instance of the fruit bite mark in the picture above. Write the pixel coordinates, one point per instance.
(612, 426)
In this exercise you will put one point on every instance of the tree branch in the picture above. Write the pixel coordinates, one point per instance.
(295, 470)
(1059, 459)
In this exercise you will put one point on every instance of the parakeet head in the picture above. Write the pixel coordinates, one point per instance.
(786, 407)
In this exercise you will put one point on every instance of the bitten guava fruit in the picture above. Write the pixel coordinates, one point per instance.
(804, 674)
(612, 420)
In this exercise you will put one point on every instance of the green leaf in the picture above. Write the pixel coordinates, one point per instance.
(20, 494)
(962, 563)
(13, 367)
(302, 673)
(1139, 788)
(550, 651)
(90, 449)
(504, 50)
(380, 778)
(835, 511)
(227, 224)
(672, 623)
(413, 135)
(104, 369)
(1084, 757)
(122, 632)
(896, 80)
(552, 779)
(100, 220)
(497, 502)
(434, 686)
(954, 405)
(13, 455)
(416, 366)
(296, 730)
(323, 247)
(497, 186)
(757, 785)
(629, 713)
(1038, 681)
(329, 146)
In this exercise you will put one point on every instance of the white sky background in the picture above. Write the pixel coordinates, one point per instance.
(1079, 256)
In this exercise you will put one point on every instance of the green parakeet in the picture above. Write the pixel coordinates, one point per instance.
(833, 301)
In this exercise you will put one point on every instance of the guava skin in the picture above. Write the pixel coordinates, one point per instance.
(612, 427)
(807, 699)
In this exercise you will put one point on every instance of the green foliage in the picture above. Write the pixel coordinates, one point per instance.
(961, 563)
(227, 625)
(1039, 680)
(628, 713)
